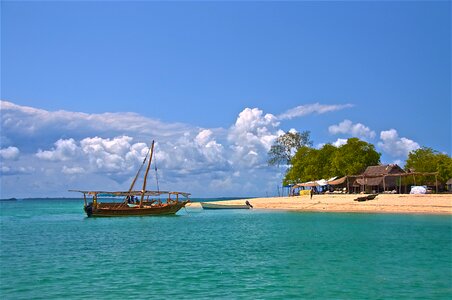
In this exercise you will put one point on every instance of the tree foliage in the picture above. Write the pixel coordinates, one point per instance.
(286, 145)
(307, 163)
(354, 157)
(428, 160)
(351, 158)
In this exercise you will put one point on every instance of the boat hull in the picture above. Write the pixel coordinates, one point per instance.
(109, 210)
(366, 198)
(206, 205)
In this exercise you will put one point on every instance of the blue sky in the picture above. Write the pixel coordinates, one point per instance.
(214, 83)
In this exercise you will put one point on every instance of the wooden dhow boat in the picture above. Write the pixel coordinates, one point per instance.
(135, 203)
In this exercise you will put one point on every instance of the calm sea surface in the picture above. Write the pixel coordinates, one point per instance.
(49, 250)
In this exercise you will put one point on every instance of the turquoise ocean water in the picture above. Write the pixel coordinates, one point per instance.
(50, 250)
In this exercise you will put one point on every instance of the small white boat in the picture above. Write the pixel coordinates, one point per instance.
(210, 205)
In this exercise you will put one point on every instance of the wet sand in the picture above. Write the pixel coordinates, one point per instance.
(383, 203)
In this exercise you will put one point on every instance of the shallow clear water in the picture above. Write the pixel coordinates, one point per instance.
(49, 249)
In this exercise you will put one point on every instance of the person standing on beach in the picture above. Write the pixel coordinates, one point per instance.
(312, 192)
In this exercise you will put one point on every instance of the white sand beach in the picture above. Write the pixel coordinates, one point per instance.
(383, 203)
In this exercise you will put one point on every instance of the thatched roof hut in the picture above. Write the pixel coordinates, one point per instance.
(449, 185)
(383, 170)
(374, 175)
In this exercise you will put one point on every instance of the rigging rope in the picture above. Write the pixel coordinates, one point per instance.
(136, 177)
(139, 171)
(156, 174)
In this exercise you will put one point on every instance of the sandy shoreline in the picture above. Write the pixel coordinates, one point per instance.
(384, 203)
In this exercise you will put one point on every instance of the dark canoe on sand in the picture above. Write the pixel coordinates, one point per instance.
(365, 198)
(371, 196)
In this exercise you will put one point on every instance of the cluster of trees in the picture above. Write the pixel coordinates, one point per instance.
(307, 163)
(429, 160)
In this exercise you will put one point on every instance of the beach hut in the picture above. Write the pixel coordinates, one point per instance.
(382, 178)
(339, 185)
(449, 185)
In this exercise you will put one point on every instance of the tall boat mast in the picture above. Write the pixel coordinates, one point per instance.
(143, 191)
(138, 173)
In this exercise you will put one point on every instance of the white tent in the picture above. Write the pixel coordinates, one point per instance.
(418, 190)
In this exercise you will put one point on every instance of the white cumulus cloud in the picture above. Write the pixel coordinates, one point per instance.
(105, 155)
(339, 142)
(347, 127)
(10, 153)
(395, 146)
(117, 154)
(253, 133)
(210, 149)
(63, 150)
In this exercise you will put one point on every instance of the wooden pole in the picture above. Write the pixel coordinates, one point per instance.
(143, 191)
(436, 182)
(384, 183)
(348, 186)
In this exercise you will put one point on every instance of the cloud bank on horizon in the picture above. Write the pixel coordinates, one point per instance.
(45, 153)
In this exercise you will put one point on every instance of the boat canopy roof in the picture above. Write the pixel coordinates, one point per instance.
(131, 193)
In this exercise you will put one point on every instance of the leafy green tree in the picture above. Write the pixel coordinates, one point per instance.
(428, 160)
(302, 165)
(354, 157)
(351, 158)
(325, 161)
(286, 145)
